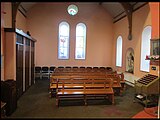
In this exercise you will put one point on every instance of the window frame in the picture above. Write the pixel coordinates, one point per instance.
(142, 60)
(84, 42)
(117, 51)
(68, 42)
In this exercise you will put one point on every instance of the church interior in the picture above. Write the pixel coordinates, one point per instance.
(80, 60)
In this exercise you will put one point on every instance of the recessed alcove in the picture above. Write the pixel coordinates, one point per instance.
(130, 60)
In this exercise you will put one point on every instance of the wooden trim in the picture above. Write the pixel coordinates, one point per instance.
(134, 4)
(154, 62)
(15, 6)
(19, 32)
(23, 8)
(9, 30)
(22, 13)
(120, 18)
(25, 35)
(129, 10)
(132, 11)
(155, 39)
(119, 15)
(140, 6)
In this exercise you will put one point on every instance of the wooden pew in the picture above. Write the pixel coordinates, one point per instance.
(122, 82)
(88, 71)
(84, 88)
(116, 81)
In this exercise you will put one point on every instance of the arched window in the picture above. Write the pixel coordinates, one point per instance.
(80, 50)
(63, 41)
(145, 48)
(119, 52)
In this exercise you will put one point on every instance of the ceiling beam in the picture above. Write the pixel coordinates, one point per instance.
(129, 10)
(119, 19)
(118, 15)
(15, 6)
(100, 3)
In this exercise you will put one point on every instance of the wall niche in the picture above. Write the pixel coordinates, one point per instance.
(130, 60)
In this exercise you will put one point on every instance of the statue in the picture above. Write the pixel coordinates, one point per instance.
(130, 63)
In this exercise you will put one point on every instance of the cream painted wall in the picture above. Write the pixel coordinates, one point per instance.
(141, 18)
(21, 21)
(43, 20)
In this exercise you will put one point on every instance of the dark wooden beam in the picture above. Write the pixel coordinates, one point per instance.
(100, 3)
(118, 15)
(119, 18)
(23, 8)
(129, 10)
(140, 6)
(132, 12)
(134, 4)
(15, 6)
(22, 13)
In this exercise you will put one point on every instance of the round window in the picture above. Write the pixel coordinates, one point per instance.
(72, 9)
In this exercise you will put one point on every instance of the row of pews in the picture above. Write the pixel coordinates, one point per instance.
(84, 83)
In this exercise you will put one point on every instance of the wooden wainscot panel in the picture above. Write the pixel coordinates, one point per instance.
(154, 62)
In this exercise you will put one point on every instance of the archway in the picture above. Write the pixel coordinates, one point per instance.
(130, 60)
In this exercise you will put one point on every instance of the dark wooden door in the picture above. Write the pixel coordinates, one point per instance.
(27, 65)
(32, 62)
(19, 66)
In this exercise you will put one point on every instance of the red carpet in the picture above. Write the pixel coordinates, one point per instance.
(147, 113)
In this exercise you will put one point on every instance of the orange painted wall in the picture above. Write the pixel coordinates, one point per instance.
(155, 14)
(43, 20)
(101, 34)
(21, 22)
(10, 56)
(8, 15)
(141, 18)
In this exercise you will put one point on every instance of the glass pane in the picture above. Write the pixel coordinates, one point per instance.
(79, 53)
(145, 48)
(119, 52)
(63, 41)
(63, 47)
(79, 31)
(63, 54)
(80, 41)
(64, 30)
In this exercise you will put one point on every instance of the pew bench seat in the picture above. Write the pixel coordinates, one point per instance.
(84, 89)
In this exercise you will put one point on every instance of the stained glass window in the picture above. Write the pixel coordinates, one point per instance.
(80, 51)
(63, 44)
(72, 9)
(119, 52)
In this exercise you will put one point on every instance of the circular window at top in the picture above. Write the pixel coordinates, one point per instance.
(72, 9)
